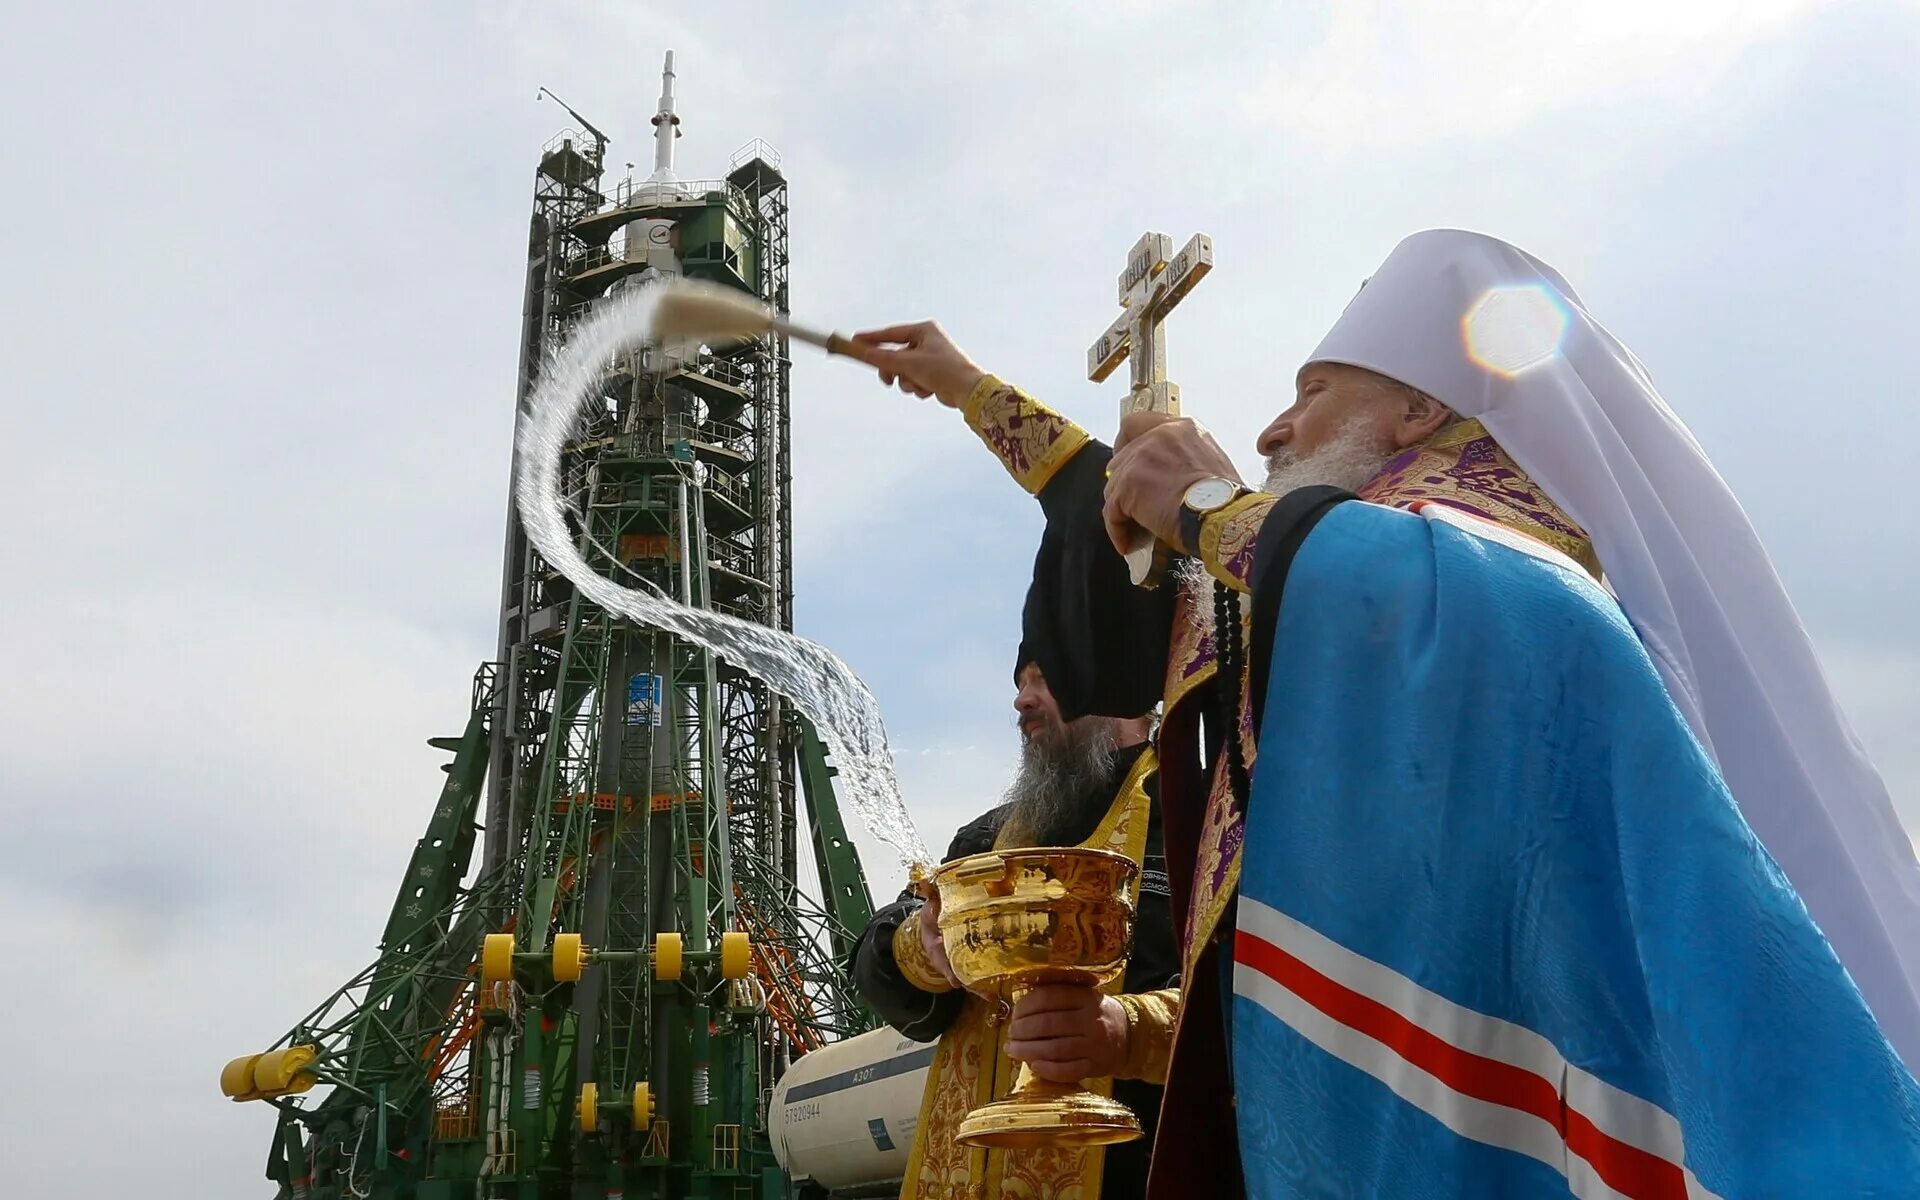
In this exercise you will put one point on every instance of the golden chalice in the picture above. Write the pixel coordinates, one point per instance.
(1014, 920)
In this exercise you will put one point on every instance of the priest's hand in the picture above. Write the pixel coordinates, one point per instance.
(1156, 458)
(922, 360)
(1068, 1033)
(928, 919)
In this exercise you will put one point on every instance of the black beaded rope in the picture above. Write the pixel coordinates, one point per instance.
(1230, 661)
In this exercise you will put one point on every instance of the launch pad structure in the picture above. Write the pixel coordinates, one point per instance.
(601, 1004)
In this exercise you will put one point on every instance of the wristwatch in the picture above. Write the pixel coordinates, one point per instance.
(1205, 496)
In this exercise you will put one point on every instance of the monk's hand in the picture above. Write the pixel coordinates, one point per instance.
(1067, 1033)
(930, 938)
(1156, 458)
(921, 360)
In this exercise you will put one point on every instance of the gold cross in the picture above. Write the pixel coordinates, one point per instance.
(1156, 279)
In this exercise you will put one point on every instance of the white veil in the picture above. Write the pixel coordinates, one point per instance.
(1496, 334)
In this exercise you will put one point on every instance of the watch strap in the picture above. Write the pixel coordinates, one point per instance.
(1190, 523)
(1192, 520)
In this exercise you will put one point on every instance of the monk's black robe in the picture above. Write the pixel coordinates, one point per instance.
(1100, 641)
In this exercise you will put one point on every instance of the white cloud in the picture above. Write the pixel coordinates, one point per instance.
(1399, 77)
(260, 370)
(209, 798)
(131, 1035)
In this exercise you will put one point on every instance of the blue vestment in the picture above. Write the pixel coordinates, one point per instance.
(1502, 931)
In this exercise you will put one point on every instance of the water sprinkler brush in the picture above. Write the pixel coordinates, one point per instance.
(696, 310)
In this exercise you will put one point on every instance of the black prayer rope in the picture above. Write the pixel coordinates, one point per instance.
(1230, 661)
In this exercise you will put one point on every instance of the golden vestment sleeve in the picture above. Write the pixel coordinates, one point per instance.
(1031, 440)
(1227, 537)
(1150, 1022)
(910, 955)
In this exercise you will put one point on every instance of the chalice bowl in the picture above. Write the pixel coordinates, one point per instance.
(1014, 920)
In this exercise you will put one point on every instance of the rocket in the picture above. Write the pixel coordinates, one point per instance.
(666, 127)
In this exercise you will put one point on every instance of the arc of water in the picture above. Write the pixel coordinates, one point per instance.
(808, 674)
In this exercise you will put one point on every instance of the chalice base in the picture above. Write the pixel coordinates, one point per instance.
(1038, 1113)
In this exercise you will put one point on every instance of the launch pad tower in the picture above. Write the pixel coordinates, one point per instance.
(600, 1005)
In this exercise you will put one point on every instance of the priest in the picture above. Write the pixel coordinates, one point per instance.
(1522, 849)
(1089, 782)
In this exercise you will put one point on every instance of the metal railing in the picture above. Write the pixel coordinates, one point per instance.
(730, 373)
(737, 492)
(581, 139)
(726, 1148)
(757, 148)
(631, 192)
(659, 1139)
(595, 257)
(454, 1122)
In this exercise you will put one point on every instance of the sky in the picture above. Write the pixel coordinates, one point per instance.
(262, 304)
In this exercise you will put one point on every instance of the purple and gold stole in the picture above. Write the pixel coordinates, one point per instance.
(1461, 467)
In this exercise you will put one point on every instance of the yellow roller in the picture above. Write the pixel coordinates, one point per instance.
(589, 1107)
(269, 1075)
(569, 957)
(299, 1079)
(668, 958)
(736, 954)
(236, 1078)
(642, 1107)
(496, 958)
(282, 1072)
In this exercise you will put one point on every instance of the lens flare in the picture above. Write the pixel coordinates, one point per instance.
(1515, 328)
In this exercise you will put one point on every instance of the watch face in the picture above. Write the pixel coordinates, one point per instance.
(1209, 494)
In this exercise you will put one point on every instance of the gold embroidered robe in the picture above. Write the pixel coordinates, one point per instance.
(970, 1066)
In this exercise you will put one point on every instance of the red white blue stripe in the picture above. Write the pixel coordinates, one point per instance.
(1502, 932)
(1486, 1079)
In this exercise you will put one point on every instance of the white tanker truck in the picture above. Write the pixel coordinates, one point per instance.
(842, 1118)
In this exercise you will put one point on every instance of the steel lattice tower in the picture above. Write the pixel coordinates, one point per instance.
(640, 796)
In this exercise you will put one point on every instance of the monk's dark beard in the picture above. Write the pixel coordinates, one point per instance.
(1064, 786)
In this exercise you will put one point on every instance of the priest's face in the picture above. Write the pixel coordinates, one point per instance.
(1335, 402)
(1349, 459)
(1066, 768)
(1038, 711)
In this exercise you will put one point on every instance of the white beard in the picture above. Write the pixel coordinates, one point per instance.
(1197, 586)
(1349, 461)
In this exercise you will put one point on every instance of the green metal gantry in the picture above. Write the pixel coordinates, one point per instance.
(639, 798)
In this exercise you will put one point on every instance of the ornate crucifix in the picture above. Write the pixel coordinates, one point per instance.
(1156, 279)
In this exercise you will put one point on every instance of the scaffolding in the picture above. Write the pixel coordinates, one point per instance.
(659, 962)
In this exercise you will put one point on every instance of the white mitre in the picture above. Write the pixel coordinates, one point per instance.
(1495, 333)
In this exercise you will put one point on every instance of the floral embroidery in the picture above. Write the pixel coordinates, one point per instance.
(971, 1067)
(1227, 537)
(1030, 439)
(1464, 468)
